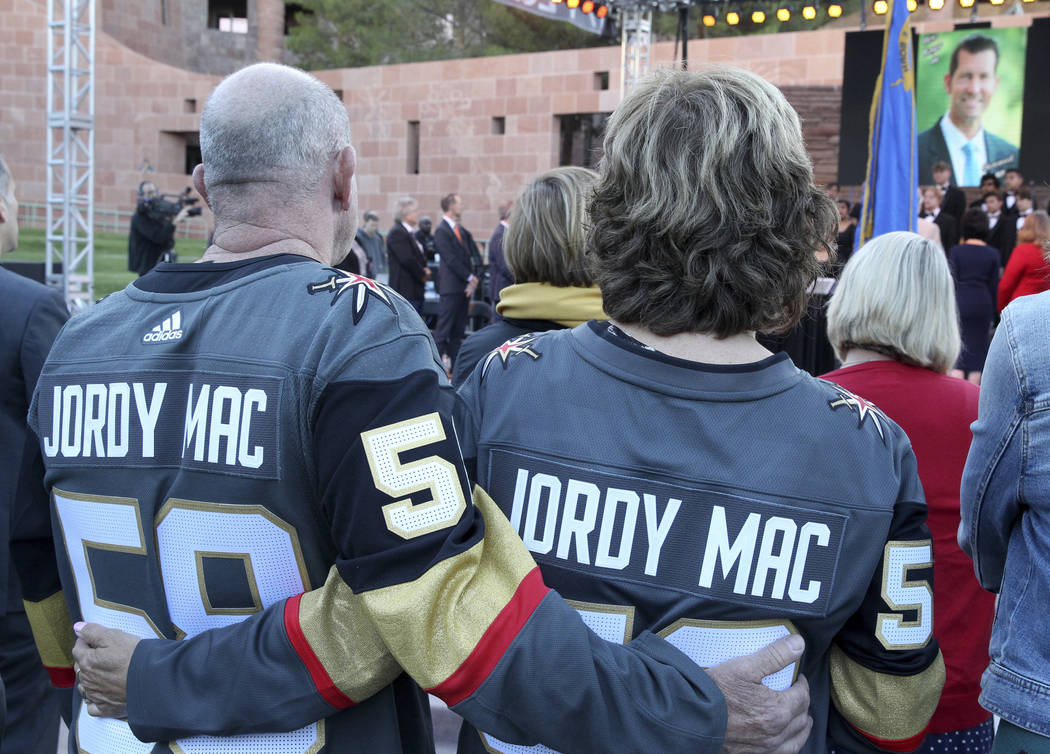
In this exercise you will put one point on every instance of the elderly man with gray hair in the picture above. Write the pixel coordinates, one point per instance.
(275, 479)
(406, 260)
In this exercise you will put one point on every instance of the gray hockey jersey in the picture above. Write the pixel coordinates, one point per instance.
(722, 507)
(253, 467)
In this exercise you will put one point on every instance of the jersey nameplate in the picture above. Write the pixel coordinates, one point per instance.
(700, 541)
(227, 423)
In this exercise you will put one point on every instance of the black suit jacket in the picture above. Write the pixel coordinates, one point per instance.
(457, 259)
(406, 262)
(500, 275)
(954, 203)
(949, 229)
(1001, 154)
(1004, 236)
(30, 318)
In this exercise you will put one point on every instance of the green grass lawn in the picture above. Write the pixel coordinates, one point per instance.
(111, 256)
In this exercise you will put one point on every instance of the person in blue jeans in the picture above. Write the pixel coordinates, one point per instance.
(1005, 525)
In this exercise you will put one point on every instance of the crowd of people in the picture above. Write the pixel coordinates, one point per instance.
(260, 497)
(995, 247)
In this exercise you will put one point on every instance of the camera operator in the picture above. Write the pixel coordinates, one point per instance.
(152, 231)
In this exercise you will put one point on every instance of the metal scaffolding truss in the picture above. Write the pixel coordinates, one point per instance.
(71, 149)
(636, 28)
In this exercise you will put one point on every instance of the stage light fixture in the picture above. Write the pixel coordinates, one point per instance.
(966, 3)
(809, 12)
(834, 10)
(732, 18)
(936, 4)
(783, 14)
(602, 12)
(912, 5)
(572, 4)
(708, 19)
(881, 7)
(587, 6)
(557, 1)
(996, 2)
(758, 16)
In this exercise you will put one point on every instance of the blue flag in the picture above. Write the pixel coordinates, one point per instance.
(891, 186)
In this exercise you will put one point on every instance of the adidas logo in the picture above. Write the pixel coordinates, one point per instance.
(169, 329)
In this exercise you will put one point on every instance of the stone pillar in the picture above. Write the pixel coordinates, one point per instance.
(269, 16)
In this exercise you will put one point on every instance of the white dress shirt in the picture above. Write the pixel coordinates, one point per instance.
(955, 139)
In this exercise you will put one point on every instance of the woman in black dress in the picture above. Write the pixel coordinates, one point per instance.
(975, 267)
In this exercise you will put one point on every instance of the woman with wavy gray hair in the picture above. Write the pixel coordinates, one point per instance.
(705, 227)
(894, 323)
(708, 237)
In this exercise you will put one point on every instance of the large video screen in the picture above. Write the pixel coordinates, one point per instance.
(969, 99)
(1010, 105)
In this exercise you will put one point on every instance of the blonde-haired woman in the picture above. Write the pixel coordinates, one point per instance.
(544, 249)
(1027, 271)
(893, 323)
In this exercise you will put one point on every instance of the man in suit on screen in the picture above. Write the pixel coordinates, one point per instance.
(959, 136)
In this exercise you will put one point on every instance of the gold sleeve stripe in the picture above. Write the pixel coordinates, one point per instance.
(332, 634)
(434, 624)
(882, 706)
(54, 637)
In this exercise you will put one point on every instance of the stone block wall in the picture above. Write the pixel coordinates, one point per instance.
(146, 109)
(176, 32)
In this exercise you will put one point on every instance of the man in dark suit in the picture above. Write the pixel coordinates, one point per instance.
(959, 137)
(30, 318)
(1002, 226)
(405, 257)
(500, 275)
(456, 279)
(1012, 183)
(953, 198)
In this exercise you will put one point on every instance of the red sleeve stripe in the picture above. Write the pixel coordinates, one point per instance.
(902, 745)
(495, 641)
(325, 687)
(62, 678)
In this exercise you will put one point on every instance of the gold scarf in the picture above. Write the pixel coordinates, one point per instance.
(569, 306)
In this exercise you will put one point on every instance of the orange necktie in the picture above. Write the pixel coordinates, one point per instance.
(455, 229)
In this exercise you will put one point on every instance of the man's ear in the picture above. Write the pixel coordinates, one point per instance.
(198, 183)
(342, 177)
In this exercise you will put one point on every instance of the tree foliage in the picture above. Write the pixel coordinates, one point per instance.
(350, 33)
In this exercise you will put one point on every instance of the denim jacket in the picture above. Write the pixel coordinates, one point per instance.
(1006, 512)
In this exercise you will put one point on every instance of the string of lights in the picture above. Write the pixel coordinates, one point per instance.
(759, 13)
(712, 12)
(880, 7)
(601, 10)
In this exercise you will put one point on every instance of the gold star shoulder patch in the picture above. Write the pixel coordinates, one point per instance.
(357, 286)
(520, 344)
(861, 408)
